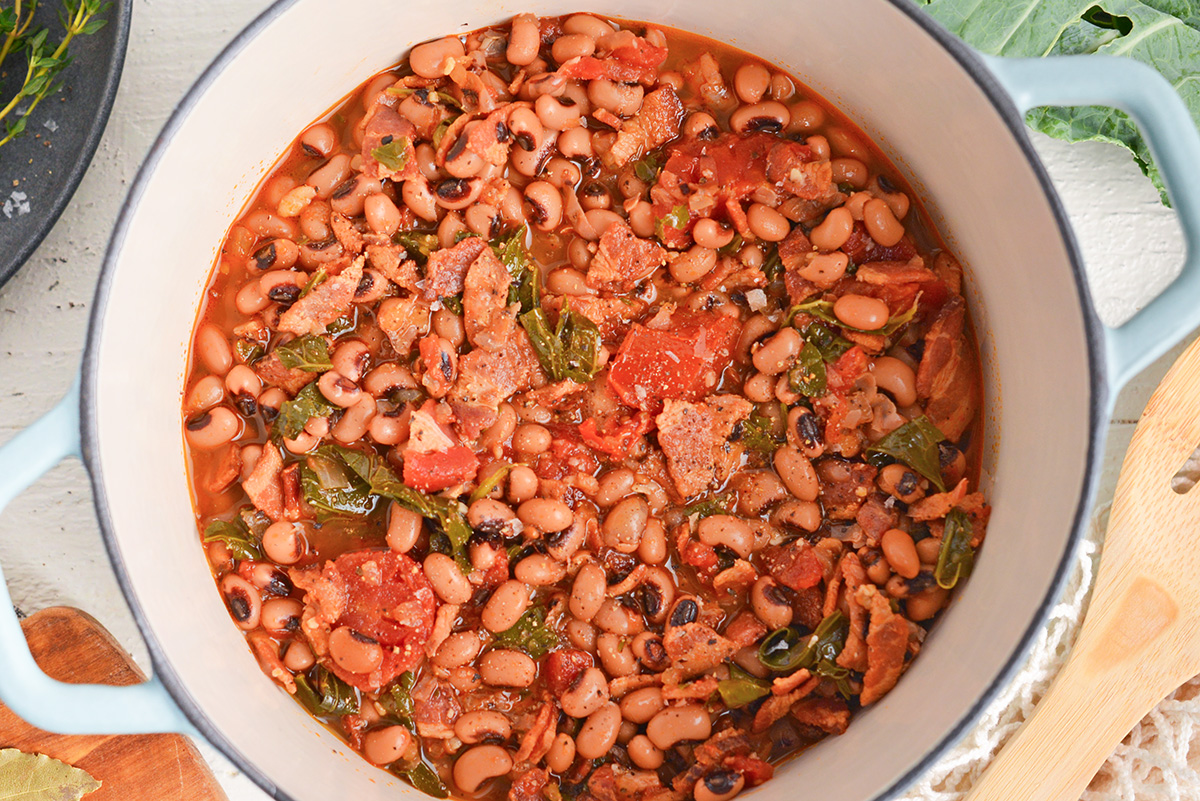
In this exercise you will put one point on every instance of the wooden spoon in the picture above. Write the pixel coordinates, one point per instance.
(1141, 637)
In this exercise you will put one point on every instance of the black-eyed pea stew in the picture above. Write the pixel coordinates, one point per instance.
(586, 409)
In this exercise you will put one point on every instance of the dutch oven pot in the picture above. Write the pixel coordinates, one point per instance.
(951, 120)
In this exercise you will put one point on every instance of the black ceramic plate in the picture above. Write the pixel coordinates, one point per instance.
(40, 170)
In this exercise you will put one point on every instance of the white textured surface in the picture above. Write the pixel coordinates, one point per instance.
(50, 545)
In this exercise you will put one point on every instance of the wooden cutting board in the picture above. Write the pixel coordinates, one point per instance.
(69, 645)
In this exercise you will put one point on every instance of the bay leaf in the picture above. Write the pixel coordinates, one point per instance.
(37, 777)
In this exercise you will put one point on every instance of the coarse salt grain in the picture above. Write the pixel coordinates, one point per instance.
(757, 299)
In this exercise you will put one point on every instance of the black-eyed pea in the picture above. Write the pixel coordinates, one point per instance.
(581, 635)
(213, 428)
(861, 312)
(459, 649)
(353, 651)
(281, 615)
(901, 553)
(729, 531)
(881, 223)
(588, 591)
(490, 516)
(901, 482)
(778, 352)
(676, 724)
(832, 232)
(561, 754)
(599, 732)
(897, 378)
(767, 224)
(428, 59)
(385, 746)
(545, 514)
(508, 602)
(768, 116)
(644, 753)
(448, 581)
(641, 705)
(616, 655)
(587, 693)
(522, 484)
(404, 528)
(625, 523)
(657, 591)
(926, 603)
(478, 764)
(797, 473)
(502, 667)
(719, 785)
(928, 549)
(653, 548)
(298, 657)
(540, 570)
(751, 82)
(284, 543)
(771, 602)
(747, 659)
(649, 649)
(616, 618)
(805, 515)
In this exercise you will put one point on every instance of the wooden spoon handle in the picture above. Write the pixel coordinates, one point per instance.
(1140, 638)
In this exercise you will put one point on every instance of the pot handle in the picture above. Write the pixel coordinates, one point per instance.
(56, 706)
(1171, 134)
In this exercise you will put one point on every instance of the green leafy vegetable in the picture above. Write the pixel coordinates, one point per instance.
(716, 505)
(526, 286)
(1164, 34)
(453, 303)
(823, 310)
(571, 350)
(915, 444)
(830, 344)
(439, 132)
(341, 325)
(491, 482)
(37, 777)
(530, 634)
(786, 650)
(956, 557)
(733, 247)
(808, 375)
(676, 218)
(295, 413)
(393, 153)
(396, 699)
(772, 265)
(323, 693)
(424, 778)
(648, 167)
(308, 353)
(741, 689)
(236, 535)
(757, 432)
(330, 486)
(248, 351)
(381, 480)
(417, 244)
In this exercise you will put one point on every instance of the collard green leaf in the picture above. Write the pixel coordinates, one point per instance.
(530, 634)
(1164, 34)
(324, 490)
(491, 482)
(676, 218)
(741, 688)
(649, 166)
(956, 557)
(716, 505)
(417, 244)
(236, 535)
(526, 285)
(315, 280)
(823, 310)
(424, 778)
(323, 693)
(569, 351)
(396, 699)
(393, 153)
(248, 351)
(787, 650)
(295, 413)
(37, 777)
(830, 344)
(757, 432)
(308, 353)
(915, 444)
(807, 376)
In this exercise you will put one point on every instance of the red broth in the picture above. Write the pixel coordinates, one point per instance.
(585, 409)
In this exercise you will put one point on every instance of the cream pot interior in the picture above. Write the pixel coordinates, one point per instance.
(867, 56)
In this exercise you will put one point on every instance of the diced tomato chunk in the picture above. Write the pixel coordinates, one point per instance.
(801, 570)
(846, 370)
(618, 439)
(437, 470)
(684, 362)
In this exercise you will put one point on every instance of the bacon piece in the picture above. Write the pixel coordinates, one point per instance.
(447, 268)
(623, 259)
(947, 376)
(830, 715)
(485, 380)
(887, 643)
(723, 748)
(443, 626)
(844, 486)
(325, 600)
(385, 128)
(695, 648)
(350, 237)
(273, 374)
(327, 302)
(704, 74)
(875, 517)
(792, 166)
(529, 784)
(776, 707)
(226, 470)
(854, 652)
(490, 137)
(654, 125)
(700, 689)
(735, 579)
(488, 319)
(536, 742)
(745, 629)
(441, 366)
(293, 507)
(885, 273)
(263, 486)
(436, 707)
(390, 262)
(695, 439)
(612, 316)
(938, 505)
(404, 320)
(266, 651)
(563, 667)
